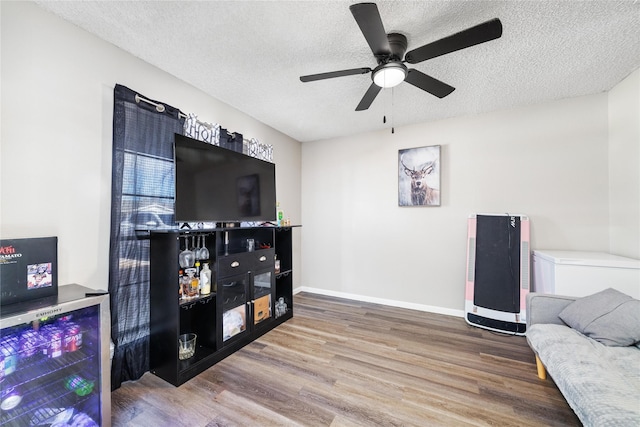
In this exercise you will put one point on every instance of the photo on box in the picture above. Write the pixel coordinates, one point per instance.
(39, 276)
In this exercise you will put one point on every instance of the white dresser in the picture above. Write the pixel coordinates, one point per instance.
(579, 274)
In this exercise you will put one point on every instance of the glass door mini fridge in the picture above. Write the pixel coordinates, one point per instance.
(54, 360)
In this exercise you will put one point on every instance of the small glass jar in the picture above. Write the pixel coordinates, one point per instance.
(281, 307)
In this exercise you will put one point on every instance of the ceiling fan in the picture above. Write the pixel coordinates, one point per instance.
(389, 49)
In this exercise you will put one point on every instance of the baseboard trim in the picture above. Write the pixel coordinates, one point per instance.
(383, 301)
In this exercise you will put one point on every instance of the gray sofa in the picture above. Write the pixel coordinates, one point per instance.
(600, 382)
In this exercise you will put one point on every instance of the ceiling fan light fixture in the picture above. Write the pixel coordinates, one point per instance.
(390, 74)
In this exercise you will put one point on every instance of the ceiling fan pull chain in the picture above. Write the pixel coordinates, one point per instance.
(393, 91)
(384, 111)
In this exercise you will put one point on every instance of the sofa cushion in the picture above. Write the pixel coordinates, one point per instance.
(609, 316)
(600, 383)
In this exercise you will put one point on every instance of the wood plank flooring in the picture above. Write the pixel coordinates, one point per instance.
(346, 363)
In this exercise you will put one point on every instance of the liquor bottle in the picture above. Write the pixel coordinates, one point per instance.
(193, 290)
(279, 215)
(205, 280)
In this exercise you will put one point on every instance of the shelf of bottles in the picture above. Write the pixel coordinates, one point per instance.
(196, 279)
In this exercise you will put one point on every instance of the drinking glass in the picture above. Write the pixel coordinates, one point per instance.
(186, 258)
(204, 252)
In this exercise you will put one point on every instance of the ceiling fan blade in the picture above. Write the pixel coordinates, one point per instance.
(370, 23)
(428, 83)
(332, 74)
(368, 97)
(481, 33)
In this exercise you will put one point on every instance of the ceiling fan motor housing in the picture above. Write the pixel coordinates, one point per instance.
(398, 46)
(390, 70)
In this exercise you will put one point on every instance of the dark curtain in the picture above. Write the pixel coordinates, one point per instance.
(143, 198)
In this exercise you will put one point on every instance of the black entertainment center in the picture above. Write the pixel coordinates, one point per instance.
(247, 283)
(249, 286)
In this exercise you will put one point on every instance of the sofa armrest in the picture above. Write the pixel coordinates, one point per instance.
(544, 308)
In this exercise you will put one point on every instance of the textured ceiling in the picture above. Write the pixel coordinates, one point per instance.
(250, 54)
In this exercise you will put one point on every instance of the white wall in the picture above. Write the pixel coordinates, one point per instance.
(56, 134)
(624, 167)
(548, 161)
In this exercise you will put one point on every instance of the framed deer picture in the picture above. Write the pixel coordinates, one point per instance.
(419, 176)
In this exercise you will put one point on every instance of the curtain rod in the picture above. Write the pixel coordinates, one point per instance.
(205, 124)
(160, 109)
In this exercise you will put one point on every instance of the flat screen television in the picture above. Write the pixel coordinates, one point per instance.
(214, 184)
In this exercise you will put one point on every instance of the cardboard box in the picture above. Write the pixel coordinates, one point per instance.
(28, 269)
(262, 309)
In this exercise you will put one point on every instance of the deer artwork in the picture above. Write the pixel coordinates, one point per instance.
(421, 193)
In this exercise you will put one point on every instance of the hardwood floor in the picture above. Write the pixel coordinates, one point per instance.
(346, 363)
